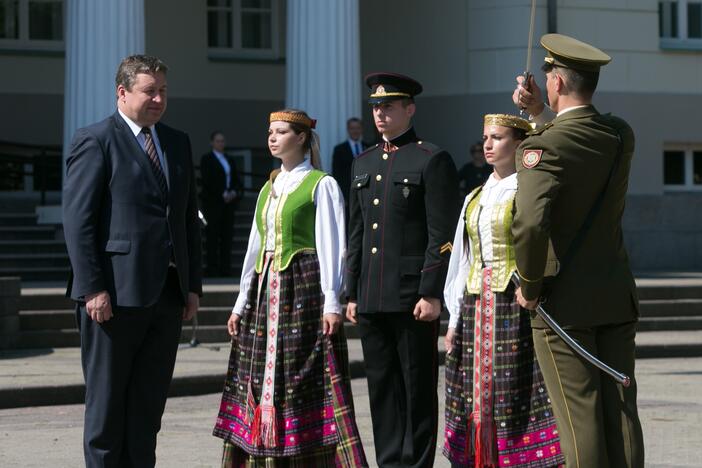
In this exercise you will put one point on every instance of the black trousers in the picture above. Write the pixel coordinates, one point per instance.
(401, 360)
(128, 365)
(218, 238)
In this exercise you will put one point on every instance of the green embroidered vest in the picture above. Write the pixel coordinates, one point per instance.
(294, 221)
(503, 261)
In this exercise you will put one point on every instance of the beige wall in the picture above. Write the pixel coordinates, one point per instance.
(180, 39)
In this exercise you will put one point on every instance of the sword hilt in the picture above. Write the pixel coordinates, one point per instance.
(525, 85)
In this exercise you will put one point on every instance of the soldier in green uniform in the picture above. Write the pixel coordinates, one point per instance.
(403, 203)
(573, 175)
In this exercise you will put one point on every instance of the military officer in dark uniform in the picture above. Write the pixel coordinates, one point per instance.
(573, 175)
(403, 205)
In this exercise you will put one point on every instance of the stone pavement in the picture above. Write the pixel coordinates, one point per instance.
(669, 403)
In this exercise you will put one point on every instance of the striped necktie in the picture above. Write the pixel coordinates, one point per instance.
(153, 158)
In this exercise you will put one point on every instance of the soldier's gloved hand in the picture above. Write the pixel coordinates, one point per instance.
(528, 96)
(427, 309)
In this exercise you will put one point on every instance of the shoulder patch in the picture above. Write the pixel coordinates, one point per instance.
(531, 157)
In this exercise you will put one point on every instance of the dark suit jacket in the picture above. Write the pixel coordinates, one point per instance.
(403, 210)
(562, 168)
(214, 180)
(342, 159)
(120, 228)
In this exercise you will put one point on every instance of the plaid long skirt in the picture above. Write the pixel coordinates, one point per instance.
(498, 413)
(309, 406)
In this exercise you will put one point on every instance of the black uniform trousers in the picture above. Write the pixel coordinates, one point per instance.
(218, 237)
(401, 360)
(597, 419)
(128, 364)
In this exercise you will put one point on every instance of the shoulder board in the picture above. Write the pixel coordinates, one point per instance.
(427, 146)
(540, 130)
(368, 150)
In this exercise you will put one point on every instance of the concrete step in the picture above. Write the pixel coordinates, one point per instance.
(38, 273)
(26, 218)
(688, 287)
(670, 323)
(33, 260)
(665, 344)
(21, 246)
(670, 307)
(27, 232)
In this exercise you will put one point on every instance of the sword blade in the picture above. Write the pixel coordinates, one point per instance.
(620, 377)
(531, 36)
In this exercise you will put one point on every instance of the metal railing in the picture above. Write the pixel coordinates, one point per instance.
(30, 168)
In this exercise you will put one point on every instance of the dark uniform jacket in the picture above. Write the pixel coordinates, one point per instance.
(572, 157)
(403, 209)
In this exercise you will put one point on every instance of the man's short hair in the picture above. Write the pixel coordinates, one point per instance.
(579, 82)
(215, 133)
(131, 66)
(353, 120)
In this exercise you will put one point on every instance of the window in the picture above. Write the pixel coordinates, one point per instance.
(682, 168)
(680, 24)
(31, 24)
(243, 28)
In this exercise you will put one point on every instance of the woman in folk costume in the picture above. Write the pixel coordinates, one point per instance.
(287, 397)
(498, 413)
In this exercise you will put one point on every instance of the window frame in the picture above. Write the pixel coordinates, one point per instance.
(688, 151)
(23, 42)
(239, 52)
(681, 42)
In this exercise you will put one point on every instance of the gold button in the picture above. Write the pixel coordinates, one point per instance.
(419, 142)
(375, 225)
(376, 202)
(385, 155)
(358, 184)
(378, 177)
(374, 250)
(405, 181)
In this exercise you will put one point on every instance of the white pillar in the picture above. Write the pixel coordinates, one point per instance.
(99, 34)
(323, 66)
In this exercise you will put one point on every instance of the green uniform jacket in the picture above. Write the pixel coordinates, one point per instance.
(562, 168)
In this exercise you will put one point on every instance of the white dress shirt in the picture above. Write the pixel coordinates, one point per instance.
(494, 192)
(356, 147)
(330, 237)
(225, 165)
(136, 130)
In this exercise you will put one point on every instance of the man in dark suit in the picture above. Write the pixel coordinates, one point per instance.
(403, 210)
(221, 192)
(344, 154)
(130, 220)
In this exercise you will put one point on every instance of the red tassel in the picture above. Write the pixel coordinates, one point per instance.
(269, 431)
(256, 427)
(484, 439)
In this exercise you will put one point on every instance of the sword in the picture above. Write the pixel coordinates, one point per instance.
(527, 74)
(575, 346)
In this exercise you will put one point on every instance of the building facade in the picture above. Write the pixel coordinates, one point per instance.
(233, 61)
